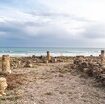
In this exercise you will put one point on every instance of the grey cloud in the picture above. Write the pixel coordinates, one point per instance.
(16, 36)
(37, 13)
(16, 33)
(19, 30)
(55, 15)
(95, 31)
(35, 23)
(11, 30)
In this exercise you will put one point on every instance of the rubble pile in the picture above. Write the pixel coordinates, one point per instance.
(91, 66)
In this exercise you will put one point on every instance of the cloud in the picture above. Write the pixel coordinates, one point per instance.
(61, 23)
(91, 9)
(31, 24)
(95, 31)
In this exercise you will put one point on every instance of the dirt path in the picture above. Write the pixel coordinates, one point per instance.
(55, 84)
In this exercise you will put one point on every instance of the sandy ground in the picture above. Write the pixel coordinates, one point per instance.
(54, 83)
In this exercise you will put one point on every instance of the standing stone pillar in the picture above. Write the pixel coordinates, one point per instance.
(102, 53)
(102, 57)
(6, 64)
(48, 56)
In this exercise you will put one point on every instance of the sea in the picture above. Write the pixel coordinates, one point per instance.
(55, 51)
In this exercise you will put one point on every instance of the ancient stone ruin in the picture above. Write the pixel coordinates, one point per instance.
(102, 57)
(48, 56)
(6, 64)
(92, 66)
(54, 60)
(3, 86)
(28, 64)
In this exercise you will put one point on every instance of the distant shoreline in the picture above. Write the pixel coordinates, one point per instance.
(54, 51)
(53, 55)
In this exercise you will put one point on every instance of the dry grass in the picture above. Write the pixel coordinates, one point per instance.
(14, 92)
(15, 80)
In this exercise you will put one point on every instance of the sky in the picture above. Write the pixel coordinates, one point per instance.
(52, 23)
